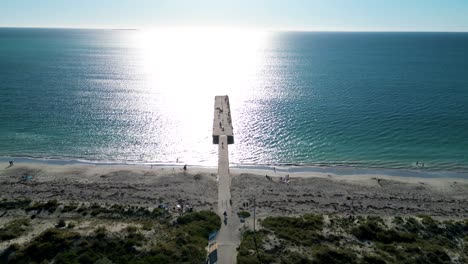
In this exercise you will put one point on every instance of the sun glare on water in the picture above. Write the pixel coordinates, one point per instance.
(183, 69)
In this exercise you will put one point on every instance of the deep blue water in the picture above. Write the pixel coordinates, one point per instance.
(355, 99)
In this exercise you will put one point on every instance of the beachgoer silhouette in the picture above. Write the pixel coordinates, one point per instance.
(185, 167)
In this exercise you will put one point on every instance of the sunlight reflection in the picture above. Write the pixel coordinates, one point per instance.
(183, 70)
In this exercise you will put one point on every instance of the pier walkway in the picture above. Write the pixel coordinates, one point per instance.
(228, 236)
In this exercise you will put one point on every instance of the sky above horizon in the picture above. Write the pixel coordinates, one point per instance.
(340, 15)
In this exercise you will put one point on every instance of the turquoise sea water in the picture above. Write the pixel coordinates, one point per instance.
(355, 99)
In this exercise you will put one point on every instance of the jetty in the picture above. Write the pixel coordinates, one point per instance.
(228, 237)
(222, 122)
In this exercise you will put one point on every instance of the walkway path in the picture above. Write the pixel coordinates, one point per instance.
(228, 237)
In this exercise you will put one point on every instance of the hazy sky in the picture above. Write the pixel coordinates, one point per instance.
(395, 15)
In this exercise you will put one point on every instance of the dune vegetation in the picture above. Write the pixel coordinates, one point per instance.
(336, 239)
(93, 233)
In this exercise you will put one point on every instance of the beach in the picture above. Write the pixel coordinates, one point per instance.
(90, 201)
(307, 192)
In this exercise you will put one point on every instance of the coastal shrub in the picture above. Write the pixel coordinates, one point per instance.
(298, 230)
(367, 230)
(306, 222)
(61, 223)
(373, 229)
(295, 258)
(69, 207)
(46, 246)
(16, 204)
(250, 250)
(344, 223)
(412, 225)
(182, 242)
(373, 259)
(200, 223)
(327, 255)
(424, 252)
(431, 227)
(454, 229)
(49, 206)
(14, 229)
(60, 246)
(243, 214)
(398, 221)
(408, 240)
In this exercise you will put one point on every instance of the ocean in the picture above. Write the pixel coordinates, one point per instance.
(366, 100)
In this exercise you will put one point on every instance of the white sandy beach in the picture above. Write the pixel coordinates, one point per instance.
(307, 191)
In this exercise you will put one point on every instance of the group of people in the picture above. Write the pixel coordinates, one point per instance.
(283, 179)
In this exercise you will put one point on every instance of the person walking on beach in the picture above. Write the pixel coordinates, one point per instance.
(185, 167)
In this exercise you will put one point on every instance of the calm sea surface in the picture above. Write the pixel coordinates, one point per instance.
(354, 99)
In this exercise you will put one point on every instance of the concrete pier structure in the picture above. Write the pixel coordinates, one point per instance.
(228, 237)
(222, 122)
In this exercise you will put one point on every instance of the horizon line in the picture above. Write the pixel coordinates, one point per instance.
(239, 28)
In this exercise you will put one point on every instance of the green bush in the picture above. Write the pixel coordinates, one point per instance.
(243, 214)
(306, 222)
(407, 241)
(49, 206)
(329, 255)
(61, 223)
(14, 229)
(199, 224)
(16, 204)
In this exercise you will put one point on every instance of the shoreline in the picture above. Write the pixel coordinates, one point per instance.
(290, 168)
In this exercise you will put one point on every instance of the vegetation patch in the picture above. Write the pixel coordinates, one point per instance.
(14, 229)
(15, 204)
(49, 206)
(149, 235)
(310, 239)
(243, 214)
